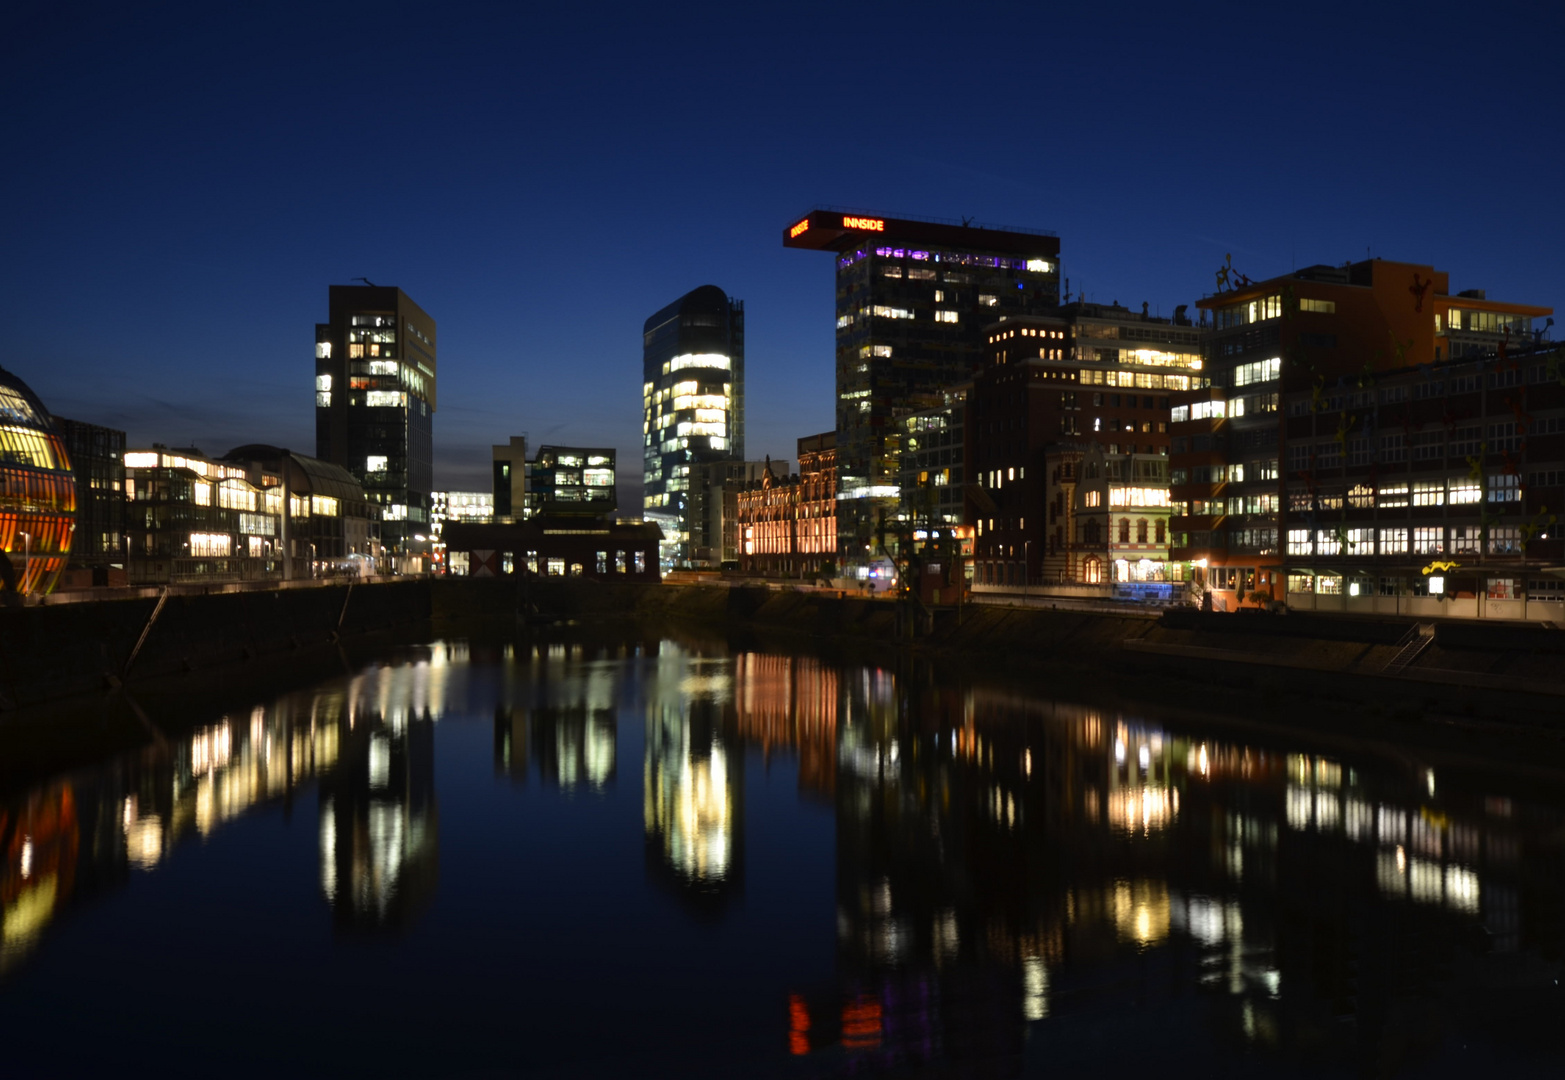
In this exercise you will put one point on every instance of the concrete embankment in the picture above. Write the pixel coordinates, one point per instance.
(1256, 663)
(57, 651)
(1493, 671)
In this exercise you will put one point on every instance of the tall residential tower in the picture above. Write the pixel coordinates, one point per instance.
(375, 404)
(693, 409)
(913, 298)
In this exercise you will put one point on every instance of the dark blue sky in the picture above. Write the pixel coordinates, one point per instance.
(182, 184)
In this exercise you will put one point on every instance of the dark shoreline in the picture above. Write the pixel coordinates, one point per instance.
(1077, 656)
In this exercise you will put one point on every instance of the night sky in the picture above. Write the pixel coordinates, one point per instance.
(181, 184)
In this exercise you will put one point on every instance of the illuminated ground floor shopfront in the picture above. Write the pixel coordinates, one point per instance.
(1229, 585)
(1443, 589)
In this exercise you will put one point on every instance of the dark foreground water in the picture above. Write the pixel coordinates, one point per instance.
(671, 859)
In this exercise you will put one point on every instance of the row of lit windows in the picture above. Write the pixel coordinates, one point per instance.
(1143, 380)
(27, 490)
(957, 258)
(1455, 491)
(22, 446)
(1485, 322)
(1267, 307)
(1415, 540)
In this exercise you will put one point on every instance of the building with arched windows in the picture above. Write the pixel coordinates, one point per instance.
(37, 494)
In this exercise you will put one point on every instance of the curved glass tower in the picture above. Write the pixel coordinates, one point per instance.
(37, 494)
(692, 406)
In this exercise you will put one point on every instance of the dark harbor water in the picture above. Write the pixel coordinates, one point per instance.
(660, 858)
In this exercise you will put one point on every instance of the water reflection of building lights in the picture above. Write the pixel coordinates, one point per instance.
(861, 1024)
(1141, 911)
(798, 1025)
(1145, 810)
(1035, 988)
(689, 801)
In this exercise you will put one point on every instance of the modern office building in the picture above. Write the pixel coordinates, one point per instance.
(375, 404)
(1091, 376)
(1330, 334)
(447, 506)
(913, 299)
(333, 526)
(193, 518)
(37, 494)
(931, 462)
(509, 496)
(692, 411)
(572, 481)
(1442, 499)
(98, 458)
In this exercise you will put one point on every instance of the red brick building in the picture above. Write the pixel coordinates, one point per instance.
(788, 524)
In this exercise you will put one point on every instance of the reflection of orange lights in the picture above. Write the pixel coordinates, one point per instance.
(861, 1024)
(790, 702)
(798, 1025)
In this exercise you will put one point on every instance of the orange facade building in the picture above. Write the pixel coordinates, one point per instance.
(788, 524)
(1318, 336)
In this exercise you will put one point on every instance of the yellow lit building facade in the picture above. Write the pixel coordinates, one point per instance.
(37, 495)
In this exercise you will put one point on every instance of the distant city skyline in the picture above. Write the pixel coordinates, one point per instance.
(184, 182)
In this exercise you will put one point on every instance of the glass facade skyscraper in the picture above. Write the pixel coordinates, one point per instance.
(692, 409)
(375, 406)
(913, 298)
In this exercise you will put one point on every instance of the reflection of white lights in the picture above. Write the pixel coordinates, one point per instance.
(328, 851)
(1035, 988)
(379, 761)
(1145, 757)
(27, 858)
(1205, 764)
(1119, 751)
(1461, 889)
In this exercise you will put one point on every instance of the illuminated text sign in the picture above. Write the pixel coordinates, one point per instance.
(867, 223)
(799, 228)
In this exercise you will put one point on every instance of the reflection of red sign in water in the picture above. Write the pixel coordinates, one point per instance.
(798, 1025)
(861, 1024)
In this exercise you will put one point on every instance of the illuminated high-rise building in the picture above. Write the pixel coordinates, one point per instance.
(913, 299)
(375, 406)
(693, 409)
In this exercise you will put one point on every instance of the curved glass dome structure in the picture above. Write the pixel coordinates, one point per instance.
(37, 493)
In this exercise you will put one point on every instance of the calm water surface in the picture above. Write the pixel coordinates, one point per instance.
(648, 858)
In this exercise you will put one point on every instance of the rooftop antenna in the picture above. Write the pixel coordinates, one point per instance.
(367, 281)
(966, 221)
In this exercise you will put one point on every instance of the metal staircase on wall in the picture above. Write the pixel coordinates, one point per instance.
(1413, 643)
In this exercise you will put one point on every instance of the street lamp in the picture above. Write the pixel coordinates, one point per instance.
(27, 558)
(1026, 570)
